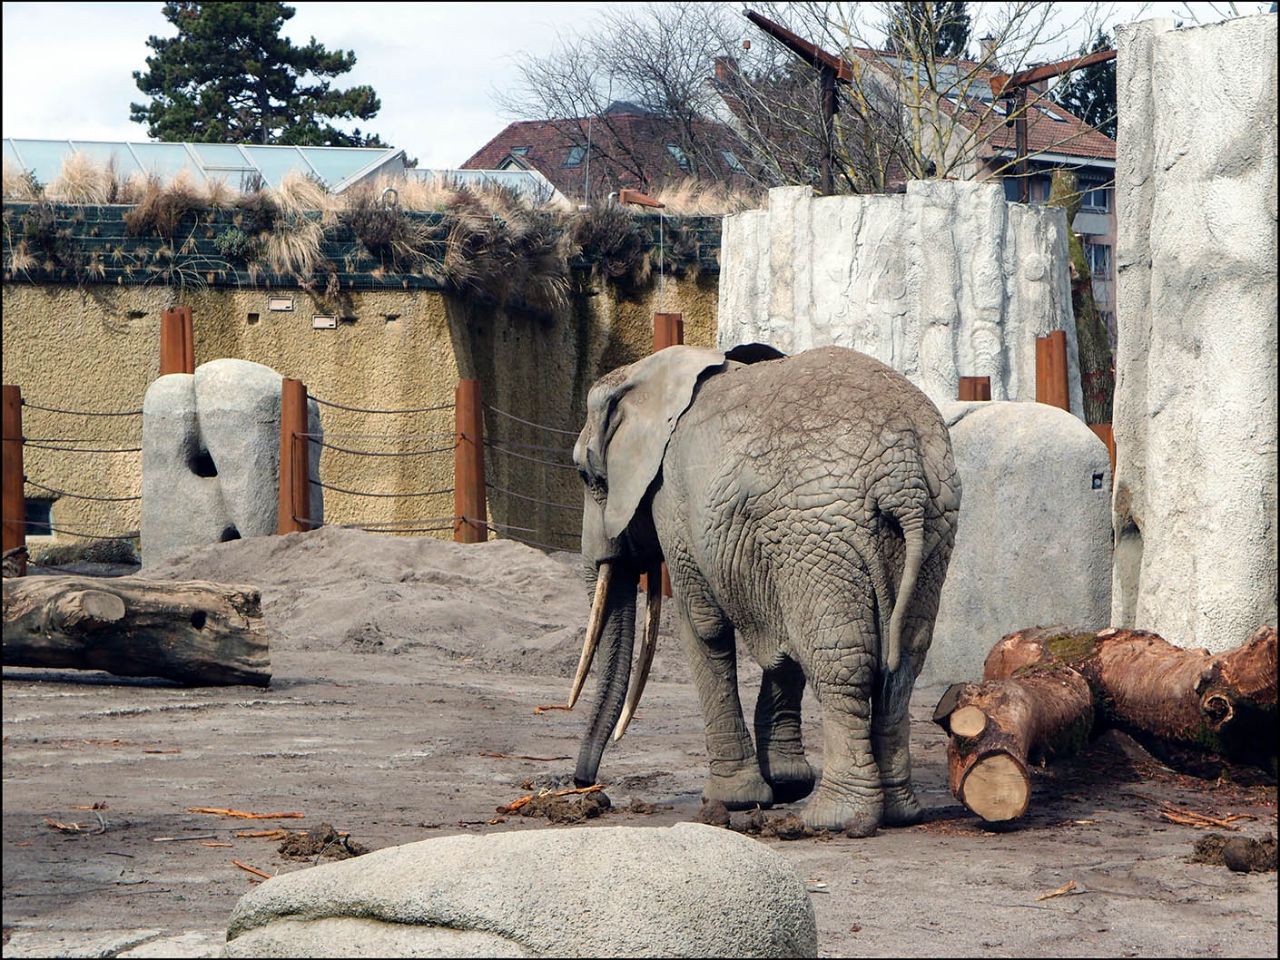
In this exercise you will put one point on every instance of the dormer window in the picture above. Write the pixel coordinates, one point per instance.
(520, 151)
(679, 156)
(732, 161)
(575, 156)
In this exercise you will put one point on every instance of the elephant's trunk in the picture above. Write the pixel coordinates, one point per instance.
(616, 639)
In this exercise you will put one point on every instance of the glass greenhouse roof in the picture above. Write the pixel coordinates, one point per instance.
(239, 166)
(527, 183)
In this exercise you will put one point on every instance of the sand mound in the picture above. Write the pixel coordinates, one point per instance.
(502, 603)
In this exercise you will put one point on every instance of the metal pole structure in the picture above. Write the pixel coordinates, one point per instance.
(294, 512)
(1051, 370)
(1020, 144)
(828, 80)
(12, 486)
(470, 521)
(975, 388)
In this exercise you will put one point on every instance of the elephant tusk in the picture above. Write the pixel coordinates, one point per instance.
(649, 643)
(594, 627)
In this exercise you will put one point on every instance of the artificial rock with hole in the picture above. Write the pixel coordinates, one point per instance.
(211, 457)
(687, 890)
(1033, 541)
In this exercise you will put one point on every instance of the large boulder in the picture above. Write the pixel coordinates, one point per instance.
(211, 457)
(1196, 380)
(946, 280)
(683, 891)
(1033, 544)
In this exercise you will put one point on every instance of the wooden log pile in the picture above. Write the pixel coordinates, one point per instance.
(199, 633)
(1046, 690)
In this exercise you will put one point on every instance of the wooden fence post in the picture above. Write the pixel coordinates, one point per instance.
(177, 341)
(1051, 370)
(12, 487)
(668, 331)
(975, 388)
(1107, 436)
(294, 512)
(188, 340)
(470, 520)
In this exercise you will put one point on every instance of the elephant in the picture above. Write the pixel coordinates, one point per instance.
(807, 504)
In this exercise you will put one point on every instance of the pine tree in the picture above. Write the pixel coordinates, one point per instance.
(229, 77)
(940, 29)
(1091, 93)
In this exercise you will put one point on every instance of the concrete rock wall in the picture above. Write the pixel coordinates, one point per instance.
(946, 280)
(1033, 545)
(1195, 413)
(98, 349)
(211, 457)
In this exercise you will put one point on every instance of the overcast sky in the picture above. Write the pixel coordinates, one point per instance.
(68, 66)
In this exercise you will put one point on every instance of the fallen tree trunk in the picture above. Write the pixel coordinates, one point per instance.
(997, 729)
(199, 633)
(1045, 689)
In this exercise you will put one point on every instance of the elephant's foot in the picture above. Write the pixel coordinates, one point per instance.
(789, 775)
(901, 808)
(842, 813)
(744, 789)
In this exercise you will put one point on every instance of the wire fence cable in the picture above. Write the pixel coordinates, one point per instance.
(83, 413)
(530, 423)
(78, 496)
(343, 406)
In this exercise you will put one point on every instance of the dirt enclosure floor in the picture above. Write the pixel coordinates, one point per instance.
(405, 677)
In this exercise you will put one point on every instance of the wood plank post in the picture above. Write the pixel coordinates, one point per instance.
(1107, 436)
(188, 340)
(173, 351)
(975, 388)
(470, 520)
(12, 487)
(668, 331)
(1051, 370)
(294, 512)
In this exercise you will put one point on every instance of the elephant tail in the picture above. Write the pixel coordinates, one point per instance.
(912, 524)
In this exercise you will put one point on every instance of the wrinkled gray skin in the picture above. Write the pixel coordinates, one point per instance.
(789, 498)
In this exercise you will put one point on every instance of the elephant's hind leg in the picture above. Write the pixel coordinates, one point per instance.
(778, 740)
(734, 777)
(891, 743)
(836, 653)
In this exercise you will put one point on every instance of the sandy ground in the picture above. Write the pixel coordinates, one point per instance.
(401, 666)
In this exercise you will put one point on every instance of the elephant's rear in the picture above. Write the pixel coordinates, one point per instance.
(837, 421)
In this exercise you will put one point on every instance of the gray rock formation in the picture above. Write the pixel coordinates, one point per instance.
(211, 457)
(1195, 412)
(1033, 545)
(946, 280)
(684, 891)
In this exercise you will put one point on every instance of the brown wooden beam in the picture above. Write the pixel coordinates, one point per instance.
(1024, 78)
(12, 488)
(810, 53)
(471, 520)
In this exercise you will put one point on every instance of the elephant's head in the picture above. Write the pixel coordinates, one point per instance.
(631, 414)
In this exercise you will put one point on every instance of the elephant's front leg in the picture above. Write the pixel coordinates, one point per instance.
(735, 778)
(778, 739)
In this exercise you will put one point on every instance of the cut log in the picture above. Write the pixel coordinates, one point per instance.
(1179, 703)
(1046, 688)
(199, 633)
(999, 728)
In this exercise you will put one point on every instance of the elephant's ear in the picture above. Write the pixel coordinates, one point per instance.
(631, 414)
